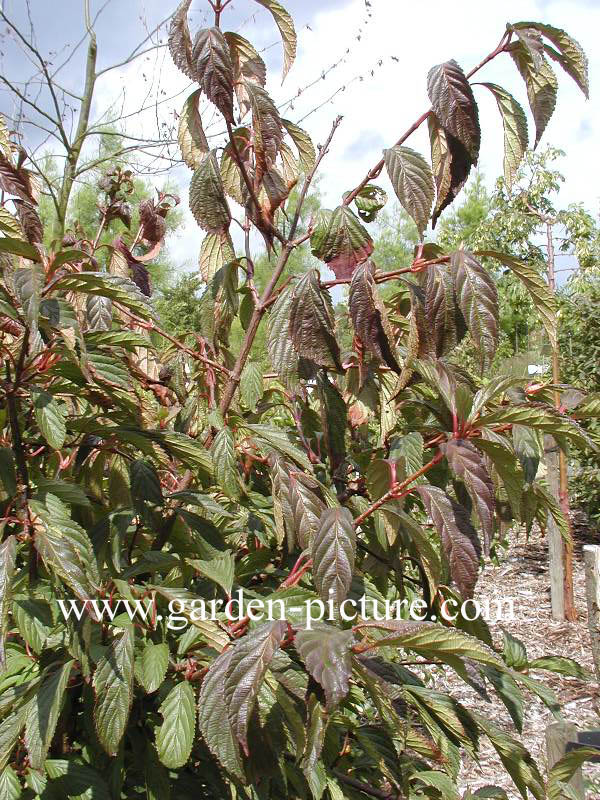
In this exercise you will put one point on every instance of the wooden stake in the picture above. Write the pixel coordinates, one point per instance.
(591, 556)
(557, 736)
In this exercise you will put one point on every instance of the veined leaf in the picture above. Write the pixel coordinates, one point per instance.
(17, 247)
(10, 730)
(541, 85)
(251, 385)
(153, 665)
(245, 671)
(572, 56)
(333, 553)
(247, 66)
(98, 312)
(216, 250)
(280, 346)
(540, 417)
(286, 28)
(224, 459)
(412, 180)
(451, 164)
(113, 685)
(515, 130)
(221, 570)
(345, 244)
(119, 289)
(443, 317)
(369, 316)
(369, 200)
(454, 105)
(477, 298)
(11, 226)
(10, 785)
(267, 128)
(326, 653)
(74, 781)
(500, 453)
(207, 197)
(190, 135)
(214, 69)
(466, 463)
(8, 554)
(144, 483)
(176, 734)
(180, 42)
(304, 145)
(305, 505)
(43, 714)
(459, 538)
(311, 323)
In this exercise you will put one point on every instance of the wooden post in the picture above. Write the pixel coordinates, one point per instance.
(591, 557)
(556, 566)
(557, 736)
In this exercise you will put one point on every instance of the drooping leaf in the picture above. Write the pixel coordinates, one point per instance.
(451, 164)
(541, 85)
(175, 736)
(144, 483)
(459, 538)
(224, 459)
(572, 56)
(180, 42)
(515, 130)
(245, 672)
(267, 128)
(412, 180)
(247, 66)
(190, 134)
(311, 324)
(8, 553)
(216, 250)
(334, 417)
(541, 417)
(213, 69)
(443, 317)
(282, 355)
(43, 714)
(466, 463)
(153, 665)
(345, 244)
(333, 552)
(251, 384)
(286, 28)
(369, 316)
(113, 685)
(454, 105)
(16, 180)
(502, 456)
(306, 507)
(304, 145)
(116, 287)
(325, 651)
(207, 197)
(477, 298)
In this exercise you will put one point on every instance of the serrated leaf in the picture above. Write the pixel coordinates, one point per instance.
(213, 717)
(501, 455)
(10, 786)
(443, 317)
(251, 385)
(466, 463)
(311, 324)
(561, 666)
(454, 105)
(333, 552)
(214, 69)
(98, 312)
(175, 736)
(334, 417)
(541, 85)
(247, 66)
(515, 130)
(304, 145)
(451, 165)
(285, 23)
(267, 128)
(412, 180)
(282, 355)
(153, 665)
(528, 450)
(306, 507)
(10, 225)
(541, 417)
(221, 570)
(113, 685)
(514, 651)
(459, 538)
(438, 780)
(10, 730)
(345, 243)
(43, 714)
(477, 298)
(270, 438)
(28, 283)
(224, 459)
(326, 653)
(245, 672)
(144, 484)
(180, 42)
(118, 288)
(508, 691)
(216, 250)
(369, 201)
(543, 299)
(572, 56)
(369, 316)
(75, 781)
(190, 133)
(207, 197)
(50, 417)
(8, 554)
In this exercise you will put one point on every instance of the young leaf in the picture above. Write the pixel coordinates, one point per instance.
(247, 66)
(454, 105)
(451, 165)
(224, 459)
(207, 198)
(570, 56)
(175, 736)
(213, 720)
(267, 128)
(325, 651)
(8, 554)
(333, 553)
(444, 319)
(304, 145)
(113, 685)
(311, 322)
(190, 134)
(369, 316)
(180, 42)
(251, 385)
(249, 661)
(541, 85)
(214, 69)
(345, 244)
(369, 200)
(286, 28)
(412, 180)
(459, 539)
(280, 346)
(43, 714)
(515, 130)
(466, 463)
(306, 507)
(153, 665)
(216, 250)
(477, 298)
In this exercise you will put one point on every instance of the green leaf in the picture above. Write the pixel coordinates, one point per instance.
(477, 298)
(10, 730)
(325, 651)
(11, 225)
(216, 250)
(317, 718)
(113, 685)
(225, 461)
(333, 552)
(10, 786)
(508, 691)
(245, 671)
(311, 323)
(543, 299)
(98, 312)
(514, 651)
(28, 283)
(515, 130)
(541, 417)
(561, 665)
(572, 56)
(34, 620)
(221, 570)
(208, 204)
(251, 384)
(43, 714)
(440, 781)
(75, 781)
(282, 355)
(369, 201)
(190, 134)
(564, 769)
(541, 85)
(17, 247)
(345, 244)
(153, 665)
(213, 718)
(8, 554)
(144, 484)
(175, 736)
(286, 28)
(71, 494)
(306, 507)
(119, 289)
(412, 180)
(454, 105)
(304, 145)
(270, 438)
(503, 458)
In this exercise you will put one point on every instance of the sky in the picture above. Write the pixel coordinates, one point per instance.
(382, 52)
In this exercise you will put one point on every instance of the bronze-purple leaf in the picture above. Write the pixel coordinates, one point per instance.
(30, 221)
(311, 322)
(454, 105)
(346, 243)
(369, 316)
(326, 653)
(451, 165)
(16, 180)
(214, 69)
(180, 41)
(333, 554)
(444, 319)
(477, 298)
